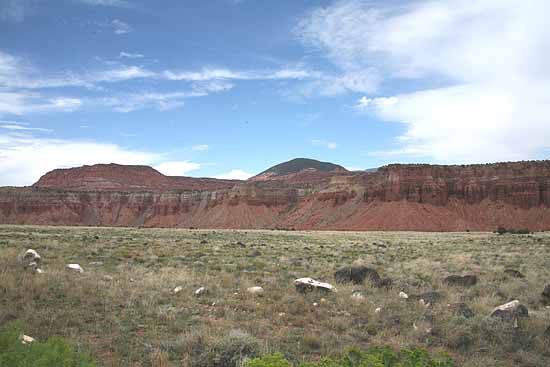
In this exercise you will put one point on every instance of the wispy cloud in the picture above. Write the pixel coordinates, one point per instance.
(18, 103)
(324, 143)
(200, 148)
(120, 27)
(226, 74)
(495, 104)
(20, 126)
(110, 3)
(130, 55)
(136, 101)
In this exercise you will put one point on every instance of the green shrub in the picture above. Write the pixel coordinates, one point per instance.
(53, 353)
(374, 357)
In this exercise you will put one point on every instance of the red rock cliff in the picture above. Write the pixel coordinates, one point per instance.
(395, 197)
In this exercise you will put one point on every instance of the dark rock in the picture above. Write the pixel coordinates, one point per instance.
(356, 275)
(547, 332)
(241, 244)
(383, 283)
(514, 273)
(255, 253)
(204, 242)
(461, 309)
(546, 292)
(510, 311)
(465, 281)
(428, 297)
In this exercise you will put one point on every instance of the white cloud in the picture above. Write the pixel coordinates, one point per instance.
(24, 158)
(111, 3)
(18, 103)
(121, 27)
(137, 101)
(324, 143)
(175, 168)
(235, 174)
(492, 56)
(130, 55)
(20, 126)
(226, 74)
(200, 148)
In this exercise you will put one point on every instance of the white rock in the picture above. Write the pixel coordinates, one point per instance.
(39, 271)
(315, 304)
(403, 295)
(200, 291)
(178, 289)
(31, 255)
(25, 339)
(358, 296)
(308, 284)
(255, 290)
(378, 310)
(510, 306)
(75, 268)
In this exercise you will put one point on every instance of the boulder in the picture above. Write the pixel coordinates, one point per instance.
(356, 275)
(178, 289)
(255, 290)
(514, 273)
(403, 295)
(25, 339)
(29, 256)
(304, 285)
(510, 311)
(74, 268)
(200, 292)
(464, 281)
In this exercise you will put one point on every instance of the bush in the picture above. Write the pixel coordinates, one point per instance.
(373, 357)
(55, 352)
(502, 230)
(233, 349)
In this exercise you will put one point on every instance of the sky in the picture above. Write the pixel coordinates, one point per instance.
(228, 88)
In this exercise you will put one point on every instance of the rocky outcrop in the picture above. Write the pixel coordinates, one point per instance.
(394, 197)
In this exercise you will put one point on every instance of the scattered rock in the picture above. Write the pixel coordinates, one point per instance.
(241, 244)
(255, 290)
(201, 291)
(356, 275)
(428, 297)
(96, 263)
(178, 289)
(357, 296)
(510, 311)
(74, 268)
(514, 273)
(25, 339)
(383, 283)
(39, 271)
(304, 285)
(547, 332)
(378, 310)
(464, 281)
(403, 295)
(31, 256)
(255, 253)
(204, 242)
(462, 309)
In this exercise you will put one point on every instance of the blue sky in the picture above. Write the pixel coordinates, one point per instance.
(227, 88)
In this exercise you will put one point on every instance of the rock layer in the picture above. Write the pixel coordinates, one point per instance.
(394, 197)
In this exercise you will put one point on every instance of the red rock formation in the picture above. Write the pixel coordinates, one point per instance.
(396, 197)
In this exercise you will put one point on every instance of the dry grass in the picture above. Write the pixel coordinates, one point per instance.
(125, 311)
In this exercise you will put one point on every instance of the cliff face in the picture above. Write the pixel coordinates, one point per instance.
(395, 197)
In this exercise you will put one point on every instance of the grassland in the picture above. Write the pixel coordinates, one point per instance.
(123, 308)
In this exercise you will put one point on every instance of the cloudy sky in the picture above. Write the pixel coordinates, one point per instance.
(227, 88)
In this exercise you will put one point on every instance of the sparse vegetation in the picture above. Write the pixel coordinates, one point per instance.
(124, 310)
(55, 352)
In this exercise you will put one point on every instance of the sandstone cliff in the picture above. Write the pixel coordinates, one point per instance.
(395, 197)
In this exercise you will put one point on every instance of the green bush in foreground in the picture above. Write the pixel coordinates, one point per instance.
(53, 353)
(374, 357)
